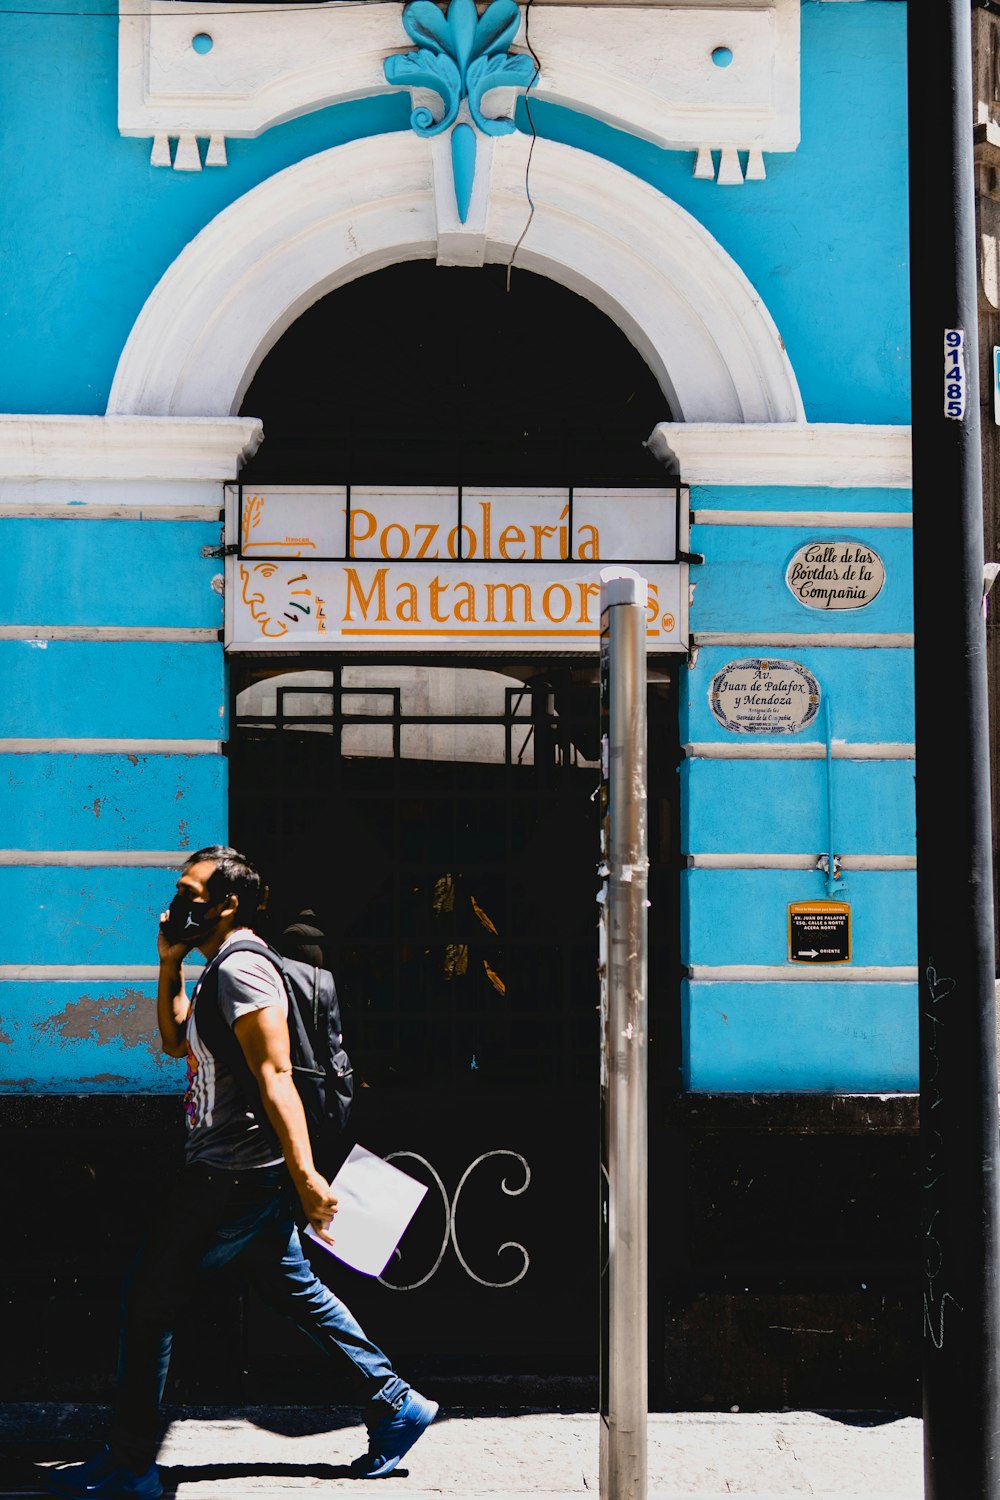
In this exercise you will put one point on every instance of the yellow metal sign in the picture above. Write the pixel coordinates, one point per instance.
(819, 932)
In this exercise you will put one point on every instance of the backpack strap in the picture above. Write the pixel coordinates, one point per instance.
(218, 1036)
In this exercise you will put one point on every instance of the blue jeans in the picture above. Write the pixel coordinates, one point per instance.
(211, 1217)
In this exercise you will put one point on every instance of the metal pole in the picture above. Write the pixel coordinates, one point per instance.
(959, 1202)
(624, 1386)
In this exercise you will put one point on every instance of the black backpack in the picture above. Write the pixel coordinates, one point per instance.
(321, 1068)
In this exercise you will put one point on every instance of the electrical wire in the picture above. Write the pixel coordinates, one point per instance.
(534, 136)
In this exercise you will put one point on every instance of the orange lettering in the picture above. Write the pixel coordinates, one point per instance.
(407, 608)
(404, 539)
(376, 592)
(492, 589)
(540, 533)
(437, 589)
(567, 597)
(594, 543)
(508, 535)
(431, 530)
(465, 609)
(355, 537)
(588, 591)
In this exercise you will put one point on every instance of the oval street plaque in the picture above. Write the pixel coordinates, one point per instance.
(835, 575)
(763, 696)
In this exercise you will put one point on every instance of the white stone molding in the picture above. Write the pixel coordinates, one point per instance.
(94, 859)
(789, 750)
(834, 520)
(799, 861)
(834, 454)
(109, 747)
(647, 69)
(648, 264)
(803, 973)
(804, 640)
(125, 447)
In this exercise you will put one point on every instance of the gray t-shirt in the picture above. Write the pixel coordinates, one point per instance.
(220, 1128)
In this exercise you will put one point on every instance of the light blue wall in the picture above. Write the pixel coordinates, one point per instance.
(110, 801)
(73, 1038)
(779, 807)
(68, 572)
(90, 226)
(112, 690)
(795, 1037)
(57, 1035)
(757, 1033)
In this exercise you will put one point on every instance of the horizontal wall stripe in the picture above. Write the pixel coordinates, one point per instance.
(142, 804)
(88, 973)
(745, 809)
(110, 573)
(824, 499)
(168, 859)
(110, 747)
(809, 518)
(104, 914)
(737, 917)
(838, 1037)
(765, 639)
(82, 512)
(112, 689)
(192, 634)
(803, 973)
(869, 693)
(792, 750)
(743, 590)
(796, 861)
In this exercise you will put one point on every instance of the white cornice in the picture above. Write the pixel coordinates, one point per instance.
(647, 69)
(833, 454)
(125, 447)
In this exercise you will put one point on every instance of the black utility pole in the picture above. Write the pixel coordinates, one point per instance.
(958, 1081)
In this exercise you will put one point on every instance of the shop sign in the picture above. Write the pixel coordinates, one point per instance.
(380, 567)
(819, 932)
(763, 696)
(835, 575)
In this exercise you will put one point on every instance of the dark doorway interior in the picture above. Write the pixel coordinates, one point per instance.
(436, 816)
(424, 374)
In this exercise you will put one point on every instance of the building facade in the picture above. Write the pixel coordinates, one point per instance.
(343, 346)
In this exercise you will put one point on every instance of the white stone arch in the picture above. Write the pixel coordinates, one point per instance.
(234, 290)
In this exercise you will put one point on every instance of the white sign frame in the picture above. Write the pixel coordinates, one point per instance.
(380, 594)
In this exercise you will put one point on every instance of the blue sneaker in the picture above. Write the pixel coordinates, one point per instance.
(103, 1479)
(393, 1436)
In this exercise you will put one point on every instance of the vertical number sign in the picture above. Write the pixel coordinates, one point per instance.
(954, 373)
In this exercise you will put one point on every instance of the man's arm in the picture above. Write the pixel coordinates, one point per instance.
(172, 1003)
(263, 1035)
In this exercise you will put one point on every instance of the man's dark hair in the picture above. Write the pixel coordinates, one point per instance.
(233, 875)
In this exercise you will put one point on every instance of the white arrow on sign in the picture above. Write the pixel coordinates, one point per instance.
(807, 953)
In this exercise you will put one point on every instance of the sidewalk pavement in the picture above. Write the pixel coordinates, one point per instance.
(276, 1453)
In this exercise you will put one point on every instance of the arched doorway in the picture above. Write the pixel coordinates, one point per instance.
(435, 815)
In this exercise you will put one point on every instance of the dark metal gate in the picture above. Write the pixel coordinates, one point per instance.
(438, 821)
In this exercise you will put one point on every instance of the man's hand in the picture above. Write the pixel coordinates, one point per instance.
(319, 1203)
(168, 952)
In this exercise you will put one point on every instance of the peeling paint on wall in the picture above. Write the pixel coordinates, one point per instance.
(5, 1040)
(128, 1017)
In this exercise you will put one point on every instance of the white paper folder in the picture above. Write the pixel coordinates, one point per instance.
(376, 1202)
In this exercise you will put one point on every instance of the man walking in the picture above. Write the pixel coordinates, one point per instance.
(233, 1197)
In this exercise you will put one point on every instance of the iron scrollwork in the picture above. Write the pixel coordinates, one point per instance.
(451, 1205)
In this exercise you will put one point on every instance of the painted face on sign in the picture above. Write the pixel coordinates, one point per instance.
(276, 603)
